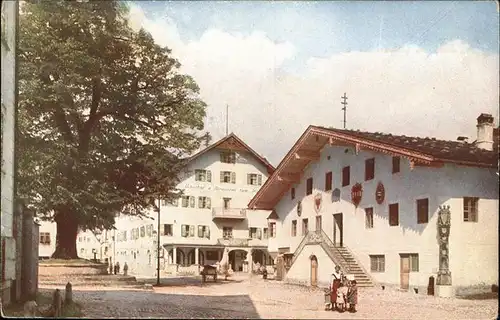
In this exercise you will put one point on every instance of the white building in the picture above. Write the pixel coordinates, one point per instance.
(211, 215)
(8, 118)
(374, 199)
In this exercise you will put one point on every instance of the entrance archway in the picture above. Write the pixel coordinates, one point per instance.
(314, 271)
(236, 258)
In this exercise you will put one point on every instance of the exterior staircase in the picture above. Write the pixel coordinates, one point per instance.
(341, 256)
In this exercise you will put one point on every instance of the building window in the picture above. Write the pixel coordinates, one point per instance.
(292, 193)
(346, 176)
(226, 202)
(294, 228)
(188, 201)
(125, 235)
(227, 177)
(203, 232)
(369, 169)
(265, 233)
(470, 209)
(170, 202)
(255, 233)
(79, 239)
(187, 231)
(318, 223)
(228, 157)
(309, 187)
(143, 232)
(394, 214)
(369, 218)
(44, 237)
(328, 181)
(203, 175)
(422, 210)
(204, 202)
(272, 229)
(227, 232)
(149, 230)
(167, 230)
(305, 226)
(396, 163)
(377, 263)
(254, 179)
(414, 262)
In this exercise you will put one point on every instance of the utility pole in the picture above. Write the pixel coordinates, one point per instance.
(158, 247)
(344, 108)
(227, 119)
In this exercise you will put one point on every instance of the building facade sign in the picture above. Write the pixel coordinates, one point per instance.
(336, 195)
(317, 202)
(380, 193)
(209, 187)
(356, 193)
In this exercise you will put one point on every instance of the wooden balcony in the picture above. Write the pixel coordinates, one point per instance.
(229, 214)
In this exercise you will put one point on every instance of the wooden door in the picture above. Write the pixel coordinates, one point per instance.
(314, 271)
(405, 272)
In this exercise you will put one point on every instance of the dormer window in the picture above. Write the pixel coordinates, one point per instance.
(228, 157)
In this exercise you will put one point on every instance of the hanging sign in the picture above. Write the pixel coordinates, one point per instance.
(336, 195)
(356, 193)
(380, 193)
(299, 208)
(317, 202)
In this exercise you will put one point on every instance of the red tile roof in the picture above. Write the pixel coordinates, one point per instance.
(441, 150)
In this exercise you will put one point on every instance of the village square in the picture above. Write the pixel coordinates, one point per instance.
(141, 180)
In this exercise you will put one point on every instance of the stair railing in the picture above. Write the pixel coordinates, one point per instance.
(337, 255)
(301, 246)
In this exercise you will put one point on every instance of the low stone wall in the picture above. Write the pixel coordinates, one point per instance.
(71, 269)
(173, 269)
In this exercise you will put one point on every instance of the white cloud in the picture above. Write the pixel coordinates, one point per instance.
(403, 91)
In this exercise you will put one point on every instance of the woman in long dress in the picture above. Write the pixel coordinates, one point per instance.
(334, 286)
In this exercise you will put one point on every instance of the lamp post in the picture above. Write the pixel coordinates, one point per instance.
(158, 246)
(98, 236)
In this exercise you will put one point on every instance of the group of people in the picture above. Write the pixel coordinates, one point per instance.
(342, 294)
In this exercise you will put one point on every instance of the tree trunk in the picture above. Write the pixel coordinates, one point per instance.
(67, 231)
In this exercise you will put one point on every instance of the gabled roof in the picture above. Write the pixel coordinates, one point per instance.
(232, 142)
(420, 152)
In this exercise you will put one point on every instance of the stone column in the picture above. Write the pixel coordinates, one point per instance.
(174, 255)
(196, 256)
(250, 260)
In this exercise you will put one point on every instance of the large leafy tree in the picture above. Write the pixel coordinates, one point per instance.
(104, 117)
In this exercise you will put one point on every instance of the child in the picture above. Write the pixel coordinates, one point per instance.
(341, 298)
(352, 296)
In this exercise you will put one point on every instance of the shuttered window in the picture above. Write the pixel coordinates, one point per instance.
(369, 169)
(328, 181)
(309, 186)
(394, 214)
(346, 176)
(422, 210)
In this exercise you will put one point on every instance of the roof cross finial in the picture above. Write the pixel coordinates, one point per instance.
(344, 108)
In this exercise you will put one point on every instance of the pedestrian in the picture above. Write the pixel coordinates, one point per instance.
(335, 283)
(125, 269)
(117, 268)
(352, 296)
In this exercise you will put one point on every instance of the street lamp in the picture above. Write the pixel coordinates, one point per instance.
(158, 246)
(98, 236)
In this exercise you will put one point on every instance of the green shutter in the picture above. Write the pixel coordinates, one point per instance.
(200, 202)
(191, 231)
(209, 176)
(200, 231)
(233, 177)
(259, 179)
(191, 201)
(183, 230)
(259, 233)
(209, 203)
(207, 232)
(249, 233)
(249, 178)
(222, 176)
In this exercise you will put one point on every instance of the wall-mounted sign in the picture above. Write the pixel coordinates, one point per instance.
(209, 187)
(336, 195)
(299, 208)
(356, 193)
(380, 193)
(317, 202)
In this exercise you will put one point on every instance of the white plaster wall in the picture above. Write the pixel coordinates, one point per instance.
(439, 185)
(46, 250)
(300, 272)
(9, 11)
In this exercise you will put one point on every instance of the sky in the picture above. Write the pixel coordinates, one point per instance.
(422, 68)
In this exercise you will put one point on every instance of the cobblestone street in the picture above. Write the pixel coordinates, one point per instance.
(253, 297)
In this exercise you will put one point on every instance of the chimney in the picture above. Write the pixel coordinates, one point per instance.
(485, 131)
